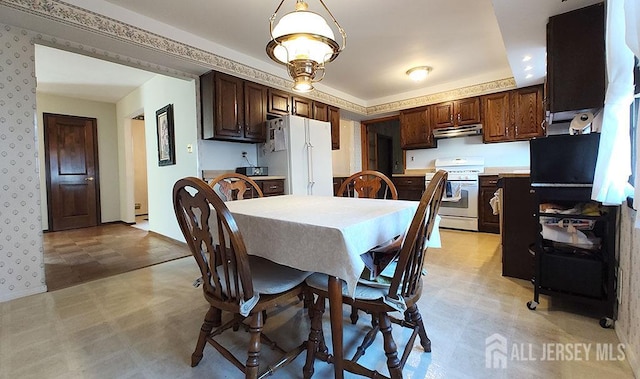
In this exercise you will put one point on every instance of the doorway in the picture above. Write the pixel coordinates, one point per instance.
(381, 149)
(140, 185)
(71, 159)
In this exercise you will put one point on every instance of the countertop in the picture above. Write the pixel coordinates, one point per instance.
(210, 174)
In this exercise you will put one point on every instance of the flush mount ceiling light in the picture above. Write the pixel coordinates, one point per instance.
(304, 42)
(418, 74)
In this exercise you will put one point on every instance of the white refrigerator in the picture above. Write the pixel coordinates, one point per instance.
(299, 149)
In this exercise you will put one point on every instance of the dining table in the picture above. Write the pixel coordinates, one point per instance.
(322, 234)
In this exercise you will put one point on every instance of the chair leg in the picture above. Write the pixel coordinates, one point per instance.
(253, 356)
(390, 348)
(210, 319)
(416, 319)
(368, 340)
(314, 344)
(354, 315)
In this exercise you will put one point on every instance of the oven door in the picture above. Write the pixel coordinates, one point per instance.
(460, 199)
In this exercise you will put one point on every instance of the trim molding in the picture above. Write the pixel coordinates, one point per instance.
(96, 23)
(28, 292)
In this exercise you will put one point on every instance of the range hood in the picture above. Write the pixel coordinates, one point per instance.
(458, 131)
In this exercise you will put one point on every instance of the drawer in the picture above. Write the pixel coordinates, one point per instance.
(489, 181)
(272, 187)
(409, 181)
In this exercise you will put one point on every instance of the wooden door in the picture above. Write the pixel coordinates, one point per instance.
(229, 114)
(71, 157)
(497, 117)
(527, 112)
(255, 115)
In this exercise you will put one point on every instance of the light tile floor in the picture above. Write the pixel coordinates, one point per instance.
(144, 324)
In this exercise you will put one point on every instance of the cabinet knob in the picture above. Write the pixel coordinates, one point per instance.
(458, 117)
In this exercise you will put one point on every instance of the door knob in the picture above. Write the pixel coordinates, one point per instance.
(89, 179)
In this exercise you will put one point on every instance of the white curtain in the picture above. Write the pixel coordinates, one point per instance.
(632, 38)
(613, 167)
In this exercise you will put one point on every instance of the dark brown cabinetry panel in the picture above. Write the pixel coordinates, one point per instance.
(334, 119)
(409, 187)
(576, 74)
(487, 221)
(519, 227)
(513, 115)
(271, 187)
(279, 102)
(456, 113)
(301, 107)
(320, 111)
(232, 109)
(415, 129)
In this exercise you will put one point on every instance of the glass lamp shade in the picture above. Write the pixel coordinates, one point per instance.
(418, 73)
(302, 35)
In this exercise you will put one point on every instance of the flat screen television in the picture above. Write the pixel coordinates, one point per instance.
(564, 160)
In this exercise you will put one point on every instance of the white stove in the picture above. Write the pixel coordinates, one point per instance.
(459, 208)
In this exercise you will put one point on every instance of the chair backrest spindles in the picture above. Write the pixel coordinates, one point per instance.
(367, 184)
(407, 277)
(224, 265)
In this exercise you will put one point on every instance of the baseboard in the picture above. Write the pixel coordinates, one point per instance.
(24, 293)
(169, 239)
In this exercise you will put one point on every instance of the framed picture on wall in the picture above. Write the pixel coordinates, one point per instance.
(166, 138)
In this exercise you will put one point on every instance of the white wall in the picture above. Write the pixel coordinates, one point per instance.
(105, 114)
(504, 154)
(151, 96)
(344, 160)
(221, 155)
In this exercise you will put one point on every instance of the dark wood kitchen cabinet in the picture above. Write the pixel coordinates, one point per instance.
(409, 187)
(232, 109)
(519, 226)
(576, 70)
(513, 115)
(487, 221)
(278, 102)
(416, 129)
(456, 113)
(271, 187)
(334, 119)
(301, 107)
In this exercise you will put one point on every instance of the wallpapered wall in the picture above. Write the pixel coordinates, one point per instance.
(21, 254)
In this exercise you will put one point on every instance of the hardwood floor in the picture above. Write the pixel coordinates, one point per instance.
(77, 256)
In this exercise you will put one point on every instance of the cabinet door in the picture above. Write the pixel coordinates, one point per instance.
(229, 99)
(301, 107)
(278, 102)
(409, 187)
(207, 100)
(497, 120)
(255, 106)
(487, 221)
(415, 129)
(443, 115)
(334, 119)
(467, 111)
(320, 111)
(527, 113)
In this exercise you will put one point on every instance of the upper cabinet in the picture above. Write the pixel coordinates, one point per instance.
(456, 113)
(415, 129)
(513, 115)
(576, 74)
(279, 102)
(232, 109)
(235, 110)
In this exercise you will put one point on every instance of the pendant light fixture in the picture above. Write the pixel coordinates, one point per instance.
(303, 41)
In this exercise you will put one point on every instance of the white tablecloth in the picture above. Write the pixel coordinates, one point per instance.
(320, 233)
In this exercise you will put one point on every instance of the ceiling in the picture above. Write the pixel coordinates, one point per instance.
(467, 42)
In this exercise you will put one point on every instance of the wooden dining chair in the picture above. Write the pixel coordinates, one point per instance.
(232, 281)
(370, 184)
(234, 186)
(402, 294)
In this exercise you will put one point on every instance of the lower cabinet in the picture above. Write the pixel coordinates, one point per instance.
(271, 187)
(409, 187)
(487, 221)
(519, 227)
